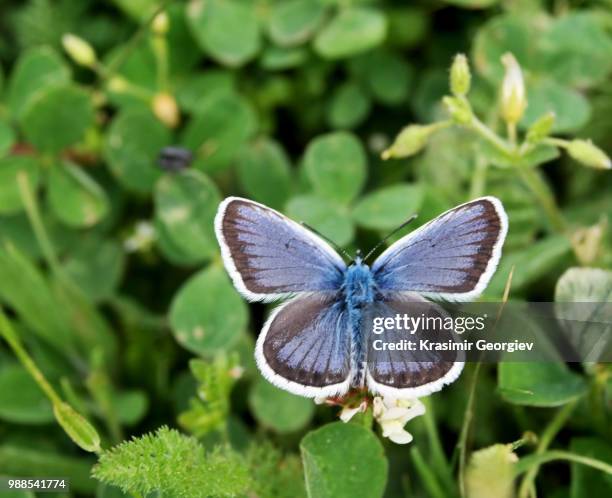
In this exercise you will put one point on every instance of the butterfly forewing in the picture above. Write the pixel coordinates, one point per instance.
(270, 256)
(452, 257)
(305, 346)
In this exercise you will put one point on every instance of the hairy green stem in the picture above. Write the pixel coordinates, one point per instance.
(546, 438)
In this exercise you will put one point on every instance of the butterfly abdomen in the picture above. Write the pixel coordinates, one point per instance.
(358, 290)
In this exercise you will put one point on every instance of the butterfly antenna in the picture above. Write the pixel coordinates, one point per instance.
(403, 225)
(335, 246)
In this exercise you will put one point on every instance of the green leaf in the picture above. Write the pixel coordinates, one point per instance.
(207, 315)
(349, 106)
(131, 406)
(57, 118)
(587, 482)
(536, 261)
(97, 266)
(173, 465)
(327, 217)
(224, 123)
(539, 384)
(506, 33)
(352, 31)
(571, 108)
(278, 58)
(343, 461)
(279, 410)
(587, 285)
(336, 166)
(36, 71)
(132, 145)
(386, 74)
(294, 22)
(408, 25)
(228, 30)
(200, 87)
(497, 460)
(264, 172)
(577, 50)
(7, 137)
(21, 400)
(10, 198)
(172, 251)
(473, 4)
(185, 206)
(76, 199)
(388, 207)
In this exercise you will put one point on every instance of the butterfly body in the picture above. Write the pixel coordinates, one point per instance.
(316, 344)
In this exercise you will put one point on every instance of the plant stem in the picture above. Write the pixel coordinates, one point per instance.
(477, 186)
(440, 461)
(549, 456)
(544, 196)
(31, 206)
(11, 337)
(511, 127)
(485, 132)
(546, 438)
(465, 428)
(429, 479)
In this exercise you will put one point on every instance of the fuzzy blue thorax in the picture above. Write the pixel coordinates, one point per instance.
(358, 291)
(358, 285)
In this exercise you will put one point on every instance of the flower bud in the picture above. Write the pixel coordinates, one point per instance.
(409, 141)
(118, 84)
(166, 109)
(77, 427)
(79, 50)
(513, 96)
(539, 130)
(497, 460)
(459, 109)
(460, 76)
(585, 152)
(160, 24)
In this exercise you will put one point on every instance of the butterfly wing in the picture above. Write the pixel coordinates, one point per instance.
(305, 347)
(409, 374)
(452, 257)
(270, 256)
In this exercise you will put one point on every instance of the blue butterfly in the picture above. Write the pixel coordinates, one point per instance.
(315, 344)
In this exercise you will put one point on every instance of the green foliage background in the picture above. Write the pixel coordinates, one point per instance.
(112, 279)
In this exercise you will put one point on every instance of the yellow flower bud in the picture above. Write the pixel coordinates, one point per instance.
(166, 109)
(513, 95)
(497, 460)
(585, 152)
(539, 130)
(410, 140)
(459, 109)
(79, 50)
(161, 24)
(460, 76)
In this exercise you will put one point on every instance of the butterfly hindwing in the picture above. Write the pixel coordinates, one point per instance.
(404, 373)
(270, 256)
(305, 346)
(452, 257)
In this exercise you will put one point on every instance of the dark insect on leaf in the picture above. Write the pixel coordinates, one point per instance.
(174, 158)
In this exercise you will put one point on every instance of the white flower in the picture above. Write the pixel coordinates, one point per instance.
(392, 414)
(348, 412)
(142, 238)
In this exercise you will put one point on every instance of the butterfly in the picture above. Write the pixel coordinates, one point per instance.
(315, 344)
